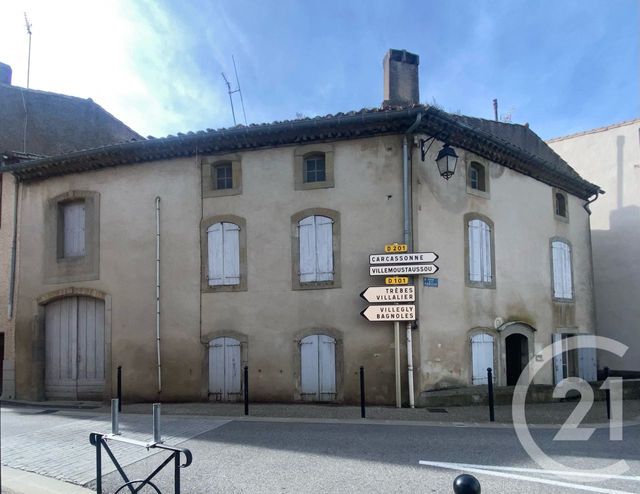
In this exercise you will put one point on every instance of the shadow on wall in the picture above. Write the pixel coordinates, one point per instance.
(616, 262)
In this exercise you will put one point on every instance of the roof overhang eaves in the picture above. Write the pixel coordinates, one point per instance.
(444, 128)
(334, 128)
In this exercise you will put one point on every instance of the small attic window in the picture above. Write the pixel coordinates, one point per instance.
(314, 168)
(561, 205)
(476, 176)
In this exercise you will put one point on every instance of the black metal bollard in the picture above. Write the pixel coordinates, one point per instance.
(119, 391)
(492, 417)
(466, 484)
(362, 410)
(607, 394)
(246, 390)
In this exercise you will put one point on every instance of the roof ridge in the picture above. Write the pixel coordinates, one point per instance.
(593, 131)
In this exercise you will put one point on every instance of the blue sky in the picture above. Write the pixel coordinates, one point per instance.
(563, 66)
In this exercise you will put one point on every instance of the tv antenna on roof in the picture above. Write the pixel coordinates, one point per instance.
(28, 25)
(237, 90)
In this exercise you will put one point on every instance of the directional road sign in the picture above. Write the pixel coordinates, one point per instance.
(405, 258)
(390, 313)
(379, 294)
(402, 269)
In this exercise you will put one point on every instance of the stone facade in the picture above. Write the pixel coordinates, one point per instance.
(169, 203)
(271, 316)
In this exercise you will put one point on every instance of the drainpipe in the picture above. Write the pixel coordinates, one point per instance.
(158, 292)
(14, 241)
(408, 239)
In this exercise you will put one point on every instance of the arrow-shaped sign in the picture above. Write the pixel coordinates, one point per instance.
(405, 258)
(390, 313)
(379, 294)
(402, 269)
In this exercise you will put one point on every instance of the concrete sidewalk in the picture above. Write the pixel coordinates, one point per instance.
(554, 413)
(16, 481)
(545, 413)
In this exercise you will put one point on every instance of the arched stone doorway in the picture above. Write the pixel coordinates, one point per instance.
(516, 356)
(517, 346)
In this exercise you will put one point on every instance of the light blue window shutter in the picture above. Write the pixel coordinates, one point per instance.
(215, 253)
(307, 239)
(74, 229)
(561, 261)
(327, 367)
(231, 249)
(324, 248)
(487, 274)
(558, 373)
(309, 371)
(475, 244)
(568, 282)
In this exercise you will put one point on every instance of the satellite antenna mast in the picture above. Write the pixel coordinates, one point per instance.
(226, 81)
(237, 90)
(28, 25)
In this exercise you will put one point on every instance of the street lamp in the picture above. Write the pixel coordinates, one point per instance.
(446, 161)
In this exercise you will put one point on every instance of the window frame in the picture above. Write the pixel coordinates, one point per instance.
(315, 157)
(242, 253)
(301, 154)
(485, 175)
(554, 195)
(57, 267)
(209, 176)
(467, 251)
(336, 282)
(556, 298)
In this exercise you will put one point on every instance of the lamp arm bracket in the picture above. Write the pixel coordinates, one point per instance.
(423, 143)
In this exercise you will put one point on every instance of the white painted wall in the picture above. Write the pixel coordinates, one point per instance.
(610, 157)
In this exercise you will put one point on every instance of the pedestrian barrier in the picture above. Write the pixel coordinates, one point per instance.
(101, 441)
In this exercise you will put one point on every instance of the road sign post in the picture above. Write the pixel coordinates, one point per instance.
(396, 265)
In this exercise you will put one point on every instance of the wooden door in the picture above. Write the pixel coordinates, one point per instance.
(225, 370)
(74, 348)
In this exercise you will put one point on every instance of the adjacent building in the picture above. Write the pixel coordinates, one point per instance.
(610, 156)
(35, 124)
(186, 258)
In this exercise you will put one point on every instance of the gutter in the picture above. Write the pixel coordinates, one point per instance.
(407, 195)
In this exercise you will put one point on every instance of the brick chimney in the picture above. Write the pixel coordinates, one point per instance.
(401, 78)
(5, 74)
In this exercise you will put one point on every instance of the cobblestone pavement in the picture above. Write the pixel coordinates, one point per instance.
(57, 447)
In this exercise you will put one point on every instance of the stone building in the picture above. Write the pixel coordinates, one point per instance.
(610, 156)
(35, 124)
(185, 258)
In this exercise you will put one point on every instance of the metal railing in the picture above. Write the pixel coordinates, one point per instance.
(101, 441)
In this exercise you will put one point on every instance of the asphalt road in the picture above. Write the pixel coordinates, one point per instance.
(286, 457)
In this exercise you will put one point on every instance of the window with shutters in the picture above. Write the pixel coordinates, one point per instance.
(561, 271)
(221, 176)
(315, 247)
(560, 205)
(73, 229)
(313, 167)
(224, 254)
(72, 237)
(480, 257)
